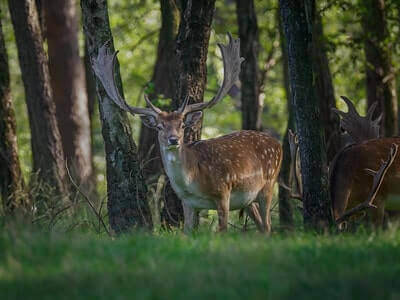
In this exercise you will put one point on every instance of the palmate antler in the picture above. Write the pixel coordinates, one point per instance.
(103, 66)
(232, 61)
(359, 128)
(376, 184)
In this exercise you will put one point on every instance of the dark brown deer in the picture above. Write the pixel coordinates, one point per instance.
(224, 173)
(365, 174)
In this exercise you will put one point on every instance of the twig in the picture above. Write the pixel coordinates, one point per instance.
(87, 200)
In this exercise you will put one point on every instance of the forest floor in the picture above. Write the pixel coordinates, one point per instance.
(36, 265)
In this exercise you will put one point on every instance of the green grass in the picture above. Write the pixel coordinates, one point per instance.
(36, 265)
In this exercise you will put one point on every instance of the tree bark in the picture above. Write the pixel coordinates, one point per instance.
(127, 206)
(380, 75)
(285, 202)
(11, 179)
(164, 85)
(191, 57)
(249, 76)
(48, 157)
(69, 91)
(191, 54)
(297, 22)
(324, 90)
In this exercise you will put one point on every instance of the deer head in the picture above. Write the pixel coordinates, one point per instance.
(170, 125)
(357, 127)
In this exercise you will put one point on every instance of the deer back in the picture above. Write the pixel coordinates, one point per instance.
(350, 183)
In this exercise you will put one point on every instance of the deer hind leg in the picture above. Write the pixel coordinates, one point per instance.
(223, 212)
(264, 200)
(191, 218)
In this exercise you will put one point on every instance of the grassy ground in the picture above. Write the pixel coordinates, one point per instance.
(203, 266)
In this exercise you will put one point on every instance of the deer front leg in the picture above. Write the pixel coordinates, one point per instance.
(223, 212)
(191, 218)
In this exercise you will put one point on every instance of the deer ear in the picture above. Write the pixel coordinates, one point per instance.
(149, 121)
(192, 118)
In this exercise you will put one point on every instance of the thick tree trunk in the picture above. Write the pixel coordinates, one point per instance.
(127, 206)
(11, 179)
(191, 56)
(69, 91)
(297, 22)
(48, 157)
(249, 76)
(285, 202)
(164, 85)
(380, 75)
(324, 90)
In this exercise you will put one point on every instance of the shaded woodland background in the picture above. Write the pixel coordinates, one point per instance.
(355, 53)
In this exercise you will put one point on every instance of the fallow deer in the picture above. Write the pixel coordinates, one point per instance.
(224, 173)
(365, 173)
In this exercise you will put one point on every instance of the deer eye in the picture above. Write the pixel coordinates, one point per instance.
(160, 126)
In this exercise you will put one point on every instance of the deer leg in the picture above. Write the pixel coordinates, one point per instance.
(223, 213)
(191, 218)
(254, 213)
(264, 201)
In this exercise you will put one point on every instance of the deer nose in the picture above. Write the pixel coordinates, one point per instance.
(173, 140)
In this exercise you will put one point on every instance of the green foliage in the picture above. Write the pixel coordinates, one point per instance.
(173, 266)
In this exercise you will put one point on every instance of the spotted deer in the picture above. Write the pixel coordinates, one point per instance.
(224, 173)
(365, 174)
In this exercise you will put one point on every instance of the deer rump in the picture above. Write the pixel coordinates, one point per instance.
(350, 182)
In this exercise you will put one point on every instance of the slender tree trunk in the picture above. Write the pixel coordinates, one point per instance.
(164, 84)
(324, 90)
(285, 202)
(11, 179)
(191, 56)
(48, 157)
(249, 76)
(297, 22)
(127, 206)
(69, 91)
(380, 75)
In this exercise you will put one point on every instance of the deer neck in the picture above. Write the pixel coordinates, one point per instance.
(177, 165)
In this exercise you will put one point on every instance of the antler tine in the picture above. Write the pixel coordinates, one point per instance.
(232, 61)
(103, 67)
(350, 106)
(371, 110)
(184, 104)
(151, 105)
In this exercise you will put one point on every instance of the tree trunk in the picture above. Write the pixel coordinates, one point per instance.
(324, 90)
(48, 157)
(11, 179)
(249, 76)
(285, 202)
(69, 91)
(164, 85)
(380, 75)
(127, 206)
(297, 22)
(191, 56)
